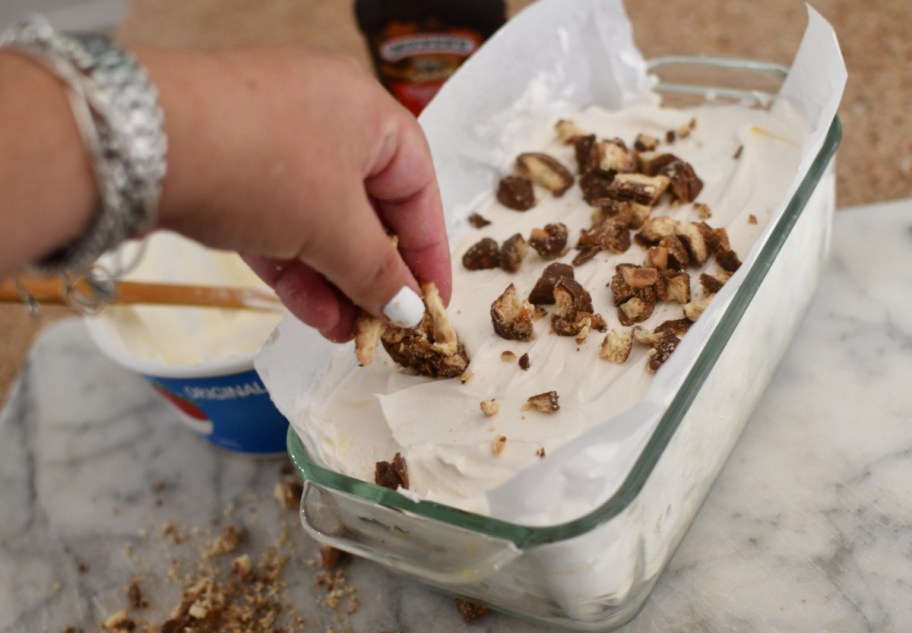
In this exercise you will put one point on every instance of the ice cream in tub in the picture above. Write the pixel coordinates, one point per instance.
(198, 359)
(571, 523)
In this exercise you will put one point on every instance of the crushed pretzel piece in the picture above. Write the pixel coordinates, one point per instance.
(638, 188)
(550, 241)
(657, 257)
(543, 291)
(616, 346)
(596, 186)
(620, 211)
(737, 153)
(692, 238)
(695, 308)
(482, 255)
(516, 192)
(119, 623)
(716, 239)
(498, 444)
(540, 453)
(703, 210)
(332, 557)
(639, 277)
(568, 131)
(674, 286)
(609, 234)
(586, 152)
(639, 307)
(507, 356)
(678, 257)
(490, 407)
(620, 289)
(367, 332)
(712, 284)
(573, 311)
(466, 376)
(655, 228)
(751, 219)
(728, 260)
(678, 327)
(512, 318)
(645, 143)
(614, 156)
(546, 171)
(392, 474)
(512, 253)
(547, 402)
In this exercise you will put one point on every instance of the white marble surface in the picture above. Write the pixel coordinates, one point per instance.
(808, 529)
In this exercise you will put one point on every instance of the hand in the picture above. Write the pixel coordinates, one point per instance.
(302, 162)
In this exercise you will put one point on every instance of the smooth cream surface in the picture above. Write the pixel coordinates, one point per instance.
(189, 336)
(367, 414)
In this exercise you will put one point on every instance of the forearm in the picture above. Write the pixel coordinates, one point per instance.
(46, 184)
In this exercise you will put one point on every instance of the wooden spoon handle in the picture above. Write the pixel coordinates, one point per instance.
(132, 292)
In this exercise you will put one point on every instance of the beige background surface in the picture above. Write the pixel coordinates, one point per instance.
(875, 160)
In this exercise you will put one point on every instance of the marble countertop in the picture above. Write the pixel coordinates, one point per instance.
(808, 528)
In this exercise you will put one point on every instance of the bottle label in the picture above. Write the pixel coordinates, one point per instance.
(414, 63)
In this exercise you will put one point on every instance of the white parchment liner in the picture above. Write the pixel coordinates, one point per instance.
(556, 56)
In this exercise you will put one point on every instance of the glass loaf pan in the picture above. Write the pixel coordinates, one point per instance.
(595, 572)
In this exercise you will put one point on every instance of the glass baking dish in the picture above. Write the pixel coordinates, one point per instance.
(595, 572)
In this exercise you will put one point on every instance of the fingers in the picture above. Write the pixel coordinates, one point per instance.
(403, 186)
(307, 296)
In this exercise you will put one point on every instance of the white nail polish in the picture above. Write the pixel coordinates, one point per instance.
(405, 309)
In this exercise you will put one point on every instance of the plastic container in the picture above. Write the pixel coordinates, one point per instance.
(198, 359)
(595, 572)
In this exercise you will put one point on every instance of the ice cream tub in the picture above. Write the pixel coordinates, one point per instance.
(578, 537)
(200, 360)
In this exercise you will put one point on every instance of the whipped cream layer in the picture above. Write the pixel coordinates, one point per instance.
(181, 335)
(363, 415)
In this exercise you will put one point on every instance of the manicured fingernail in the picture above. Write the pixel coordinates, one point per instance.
(405, 309)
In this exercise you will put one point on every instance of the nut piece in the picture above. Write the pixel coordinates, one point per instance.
(568, 131)
(524, 363)
(550, 241)
(490, 407)
(498, 444)
(482, 255)
(545, 402)
(511, 317)
(367, 332)
(392, 474)
(478, 221)
(516, 192)
(546, 171)
(543, 292)
(638, 188)
(616, 346)
(512, 253)
(469, 611)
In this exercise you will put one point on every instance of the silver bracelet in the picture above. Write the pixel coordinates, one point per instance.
(116, 109)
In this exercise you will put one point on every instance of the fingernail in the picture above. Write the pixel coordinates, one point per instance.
(405, 309)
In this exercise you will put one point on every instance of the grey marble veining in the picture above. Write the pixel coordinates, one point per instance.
(808, 529)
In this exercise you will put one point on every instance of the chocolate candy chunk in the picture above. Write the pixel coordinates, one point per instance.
(516, 192)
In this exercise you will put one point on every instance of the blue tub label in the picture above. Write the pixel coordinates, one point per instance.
(233, 411)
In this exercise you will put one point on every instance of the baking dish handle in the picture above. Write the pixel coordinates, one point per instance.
(438, 552)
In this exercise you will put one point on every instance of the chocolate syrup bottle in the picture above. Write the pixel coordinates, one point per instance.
(416, 45)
